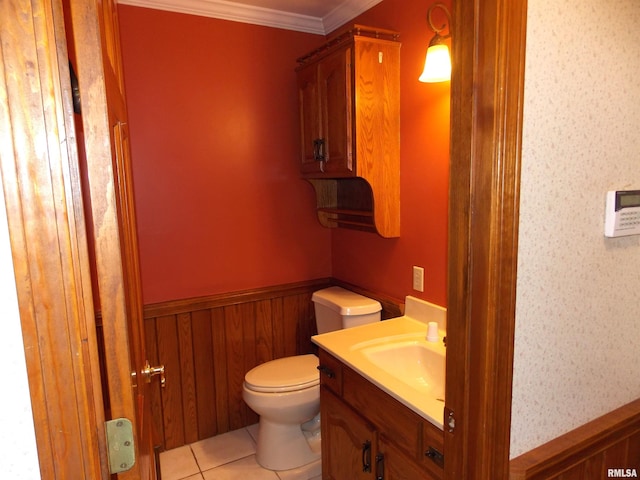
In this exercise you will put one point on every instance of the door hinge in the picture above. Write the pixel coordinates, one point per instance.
(120, 446)
(449, 420)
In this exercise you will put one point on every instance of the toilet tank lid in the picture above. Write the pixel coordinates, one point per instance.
(346, 302)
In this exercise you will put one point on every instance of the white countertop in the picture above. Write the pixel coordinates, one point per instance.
(347, 345)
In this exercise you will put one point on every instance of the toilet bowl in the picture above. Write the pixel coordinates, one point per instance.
(285, 392)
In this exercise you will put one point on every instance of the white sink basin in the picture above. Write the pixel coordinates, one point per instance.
(412, 362)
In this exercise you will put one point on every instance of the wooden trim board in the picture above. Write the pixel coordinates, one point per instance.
(611, 441)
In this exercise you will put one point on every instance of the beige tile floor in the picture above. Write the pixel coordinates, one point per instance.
(230, 456)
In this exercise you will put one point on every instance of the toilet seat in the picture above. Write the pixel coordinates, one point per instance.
(287, 374)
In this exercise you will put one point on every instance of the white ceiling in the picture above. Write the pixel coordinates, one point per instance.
(311, 16)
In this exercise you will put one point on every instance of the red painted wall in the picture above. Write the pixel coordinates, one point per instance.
(215, 139)
(386, 265)
(214, 135)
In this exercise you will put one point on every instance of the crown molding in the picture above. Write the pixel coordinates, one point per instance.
(239, 12)
(346, 11)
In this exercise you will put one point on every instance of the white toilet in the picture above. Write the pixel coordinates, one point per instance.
(286, 392)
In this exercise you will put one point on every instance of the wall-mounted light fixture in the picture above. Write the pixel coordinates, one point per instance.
(437, 65)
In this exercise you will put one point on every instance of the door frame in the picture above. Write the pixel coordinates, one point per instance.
(487, 88)
(41, 182)
(44, 208)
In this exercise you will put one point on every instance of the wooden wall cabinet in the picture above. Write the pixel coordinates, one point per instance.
(349, 95)
(368, 435)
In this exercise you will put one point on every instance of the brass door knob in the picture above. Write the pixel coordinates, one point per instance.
(148, 371)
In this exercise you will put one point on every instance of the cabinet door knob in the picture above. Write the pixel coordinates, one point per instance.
(318, 150)
(436, 456)
(326, 370)
(366, 456)
(380, 466)
(322, 156)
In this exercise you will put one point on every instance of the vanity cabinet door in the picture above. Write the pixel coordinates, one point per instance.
(348, 441)
(397, 466)
(432, 454)
(389, 416)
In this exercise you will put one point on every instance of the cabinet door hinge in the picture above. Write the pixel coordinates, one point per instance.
(120, 446)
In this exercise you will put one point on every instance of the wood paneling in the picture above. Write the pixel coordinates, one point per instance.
(608, 442)
(207, 344)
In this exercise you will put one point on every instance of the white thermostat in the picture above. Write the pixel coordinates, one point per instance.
(622, 213)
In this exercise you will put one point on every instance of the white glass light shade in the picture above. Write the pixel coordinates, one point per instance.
(437, 65)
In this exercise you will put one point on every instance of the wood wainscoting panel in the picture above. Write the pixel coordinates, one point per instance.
(208, 348)
(202, 327)
(608, 442)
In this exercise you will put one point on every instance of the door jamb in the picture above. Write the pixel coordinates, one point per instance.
(487, 90)
(38, 168)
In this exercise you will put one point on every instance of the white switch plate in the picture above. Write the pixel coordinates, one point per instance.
(418, 279)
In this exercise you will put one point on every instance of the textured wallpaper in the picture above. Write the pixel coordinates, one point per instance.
(577, 340)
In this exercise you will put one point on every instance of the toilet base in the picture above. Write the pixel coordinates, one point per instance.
(285, 446)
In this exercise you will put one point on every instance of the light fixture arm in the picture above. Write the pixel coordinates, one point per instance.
(438, 38)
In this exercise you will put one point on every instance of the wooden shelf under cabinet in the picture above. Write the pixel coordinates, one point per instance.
(349, 93)
(345, 202)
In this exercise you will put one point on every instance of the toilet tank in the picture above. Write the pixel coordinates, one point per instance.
(337, 308)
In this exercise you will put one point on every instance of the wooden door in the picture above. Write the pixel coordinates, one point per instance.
(309, 117)
(325, 93)
(348, 441)
(112, 213)
(336, 106)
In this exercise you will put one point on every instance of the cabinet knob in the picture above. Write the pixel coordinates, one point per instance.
(318, 150)
(380, 466)
(366, 456)
(326, 371)
(436, 456)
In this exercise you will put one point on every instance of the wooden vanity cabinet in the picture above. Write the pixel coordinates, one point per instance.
(349, 97)
(367, 434)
